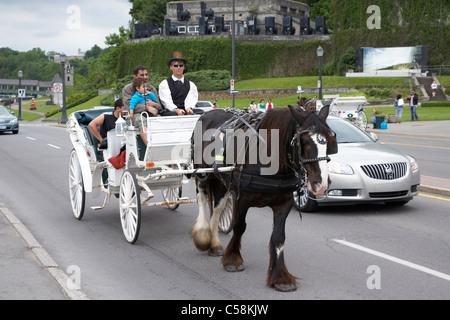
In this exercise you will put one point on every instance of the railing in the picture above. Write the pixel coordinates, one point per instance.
(442, 70)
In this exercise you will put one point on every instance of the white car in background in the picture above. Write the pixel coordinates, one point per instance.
(205, 105)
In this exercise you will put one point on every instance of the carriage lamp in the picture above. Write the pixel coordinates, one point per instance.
(120, 127)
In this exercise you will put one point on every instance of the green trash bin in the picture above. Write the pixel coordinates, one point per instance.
(378, 121)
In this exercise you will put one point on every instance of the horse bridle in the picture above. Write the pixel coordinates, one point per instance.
(296, 140)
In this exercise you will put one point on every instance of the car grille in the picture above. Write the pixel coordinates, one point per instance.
(387, 171)
(393, 194)
(4, 121)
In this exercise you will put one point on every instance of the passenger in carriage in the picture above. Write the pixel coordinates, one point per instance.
(178, 95)
(152, 107)
(141, 96)
(106, 122)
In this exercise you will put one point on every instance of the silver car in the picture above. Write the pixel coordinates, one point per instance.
(8, 122)
(364, 170)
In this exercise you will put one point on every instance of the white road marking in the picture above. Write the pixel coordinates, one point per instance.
(394, 259)
(53, 146)
(30, 138)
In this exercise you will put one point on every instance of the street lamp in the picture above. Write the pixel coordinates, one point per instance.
(63, 111)
(20, 98)
(320, 55)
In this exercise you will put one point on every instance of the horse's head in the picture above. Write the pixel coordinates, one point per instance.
(314, 141)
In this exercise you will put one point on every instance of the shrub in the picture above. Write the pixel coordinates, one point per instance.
(210, 80)
(436, 104)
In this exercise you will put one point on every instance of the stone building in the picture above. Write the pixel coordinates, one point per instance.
(249, 15)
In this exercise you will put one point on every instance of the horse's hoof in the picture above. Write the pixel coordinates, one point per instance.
(215, 252)
(233, 268)
(285, 287)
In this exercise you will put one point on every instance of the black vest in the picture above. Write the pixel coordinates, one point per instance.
(180, 93)
(109, 123)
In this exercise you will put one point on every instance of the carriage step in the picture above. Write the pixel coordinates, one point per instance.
(97, 207)
(167, 203)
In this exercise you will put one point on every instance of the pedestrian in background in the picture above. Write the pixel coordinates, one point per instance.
(413, 101)
(398, 103)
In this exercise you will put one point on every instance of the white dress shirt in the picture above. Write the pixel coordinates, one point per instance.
(166, 97)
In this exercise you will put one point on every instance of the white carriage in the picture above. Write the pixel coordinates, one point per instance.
(350, 108)
(162, 165)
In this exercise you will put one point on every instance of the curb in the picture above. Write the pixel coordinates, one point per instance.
(435, 190)
(44, 258)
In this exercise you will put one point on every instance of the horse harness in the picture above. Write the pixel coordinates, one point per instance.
(253, 181)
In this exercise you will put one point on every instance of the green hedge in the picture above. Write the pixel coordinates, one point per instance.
(252, 60)
(75, 100)
(436, 104)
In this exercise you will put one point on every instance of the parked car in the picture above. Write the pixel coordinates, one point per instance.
(364, 171)
(205, 105)
(8, 122)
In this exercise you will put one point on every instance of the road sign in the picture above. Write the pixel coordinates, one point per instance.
(232, 84)
(21, 93)
(58, 87)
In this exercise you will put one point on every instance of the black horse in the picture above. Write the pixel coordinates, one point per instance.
(307, 104)
(298, 143)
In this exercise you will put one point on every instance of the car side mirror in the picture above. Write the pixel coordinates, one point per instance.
(374, 136)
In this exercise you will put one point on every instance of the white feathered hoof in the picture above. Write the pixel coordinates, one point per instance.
(201, 238)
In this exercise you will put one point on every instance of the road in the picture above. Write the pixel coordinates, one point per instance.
(356, 252)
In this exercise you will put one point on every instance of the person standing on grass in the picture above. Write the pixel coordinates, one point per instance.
(398, 103)
(413, 101)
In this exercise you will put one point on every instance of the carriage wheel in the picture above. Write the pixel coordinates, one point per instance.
(130, 206)
(226, 218)
(361, 121)
(172, 194)
(306, 202)
(76, 186)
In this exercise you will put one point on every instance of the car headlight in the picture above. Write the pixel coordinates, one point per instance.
(13, 121)
(339, 168)
(413, 163)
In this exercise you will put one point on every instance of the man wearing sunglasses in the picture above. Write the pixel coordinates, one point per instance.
(178, 95)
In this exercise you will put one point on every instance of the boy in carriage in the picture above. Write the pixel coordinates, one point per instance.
(141, 96)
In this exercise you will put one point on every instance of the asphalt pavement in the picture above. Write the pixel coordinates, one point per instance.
(28, 272)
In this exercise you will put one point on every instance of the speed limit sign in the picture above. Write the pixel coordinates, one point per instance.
(57, 87)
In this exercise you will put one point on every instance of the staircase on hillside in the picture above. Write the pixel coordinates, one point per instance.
(426, 83)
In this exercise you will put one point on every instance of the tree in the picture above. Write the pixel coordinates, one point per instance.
(149, 10)
(94, 52)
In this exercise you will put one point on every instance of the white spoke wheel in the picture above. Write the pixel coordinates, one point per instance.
(361, 120)
(226, 217)
(130, 206)
(76, 186)
(172, 194)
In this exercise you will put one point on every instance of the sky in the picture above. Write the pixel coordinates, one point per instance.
(61, 26)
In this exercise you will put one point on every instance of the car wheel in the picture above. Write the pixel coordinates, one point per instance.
(306, 202)
(15, 131)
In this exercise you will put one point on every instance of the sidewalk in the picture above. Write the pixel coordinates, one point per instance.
(422, 129)
(27, 272)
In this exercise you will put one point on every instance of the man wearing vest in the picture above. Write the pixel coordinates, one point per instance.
(178, 95)
(106, 122)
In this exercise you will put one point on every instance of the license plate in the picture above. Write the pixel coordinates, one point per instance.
(2, 127)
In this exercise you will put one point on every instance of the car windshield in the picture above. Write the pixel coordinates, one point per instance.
(4, 111)
(347, 132)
